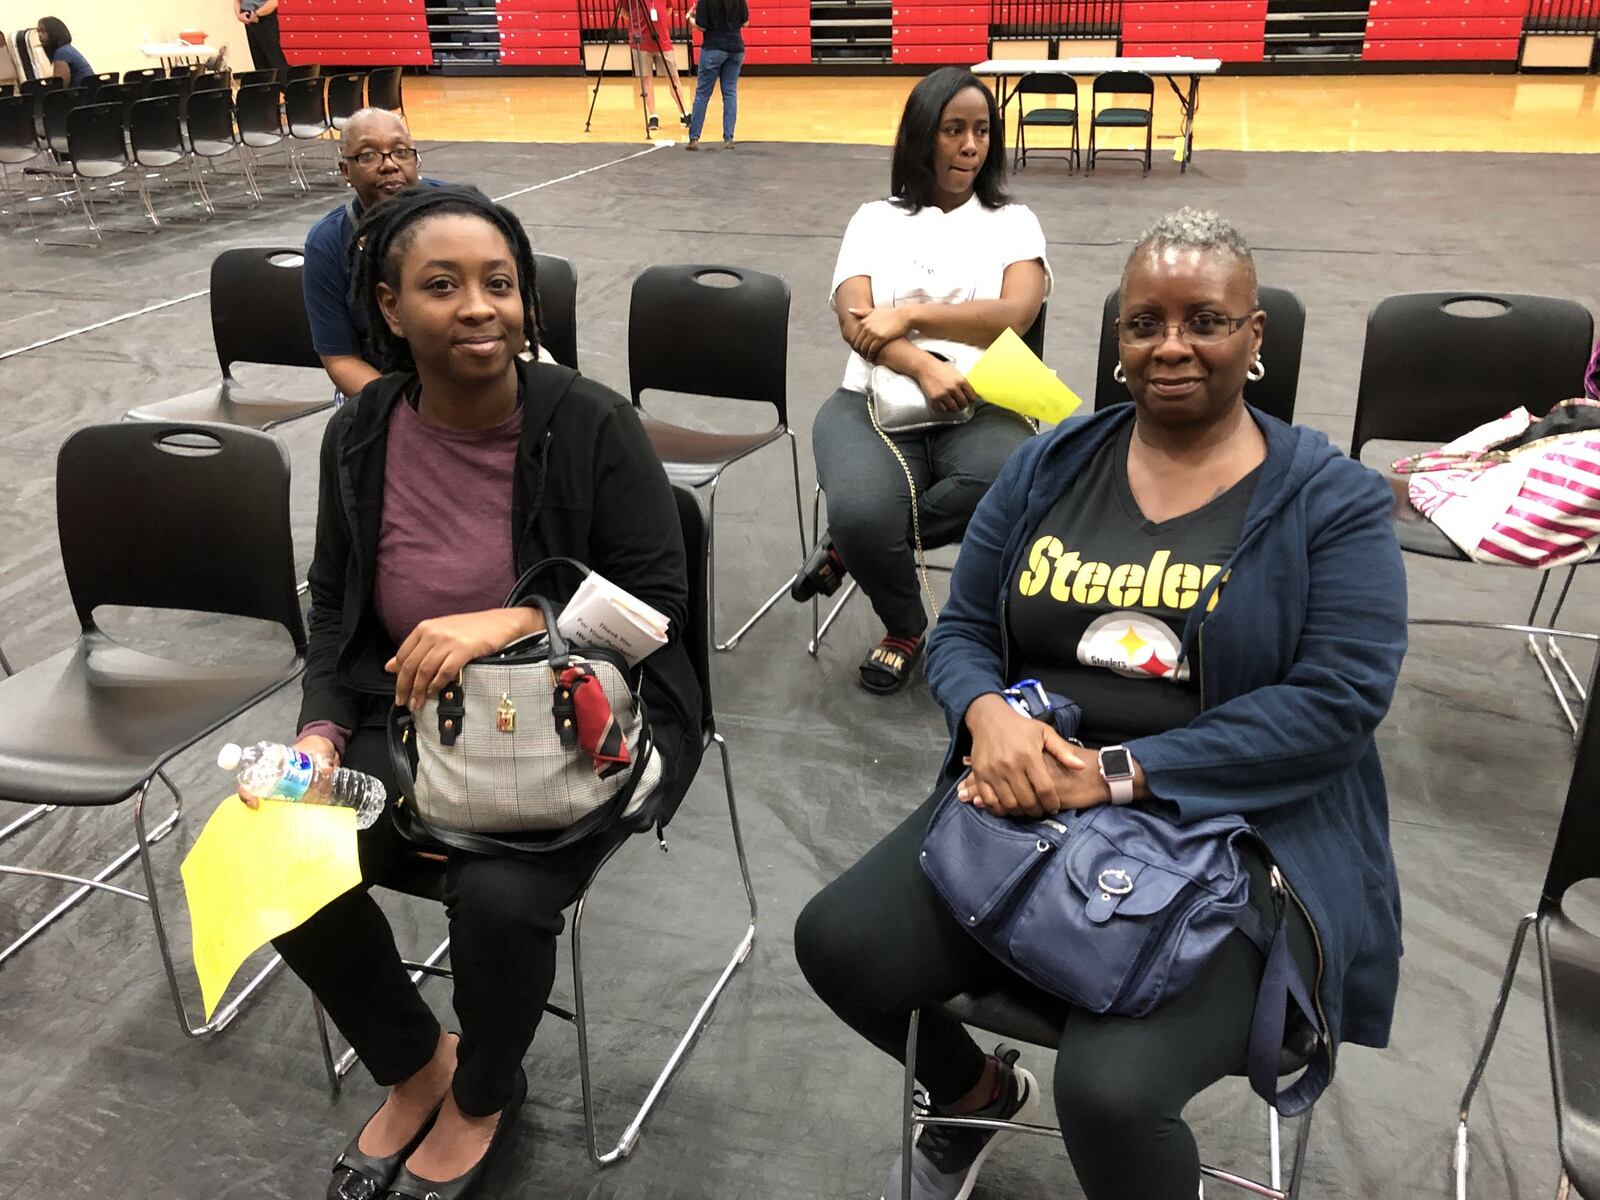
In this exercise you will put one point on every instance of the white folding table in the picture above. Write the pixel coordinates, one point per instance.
(1171, 69)
(170, 54)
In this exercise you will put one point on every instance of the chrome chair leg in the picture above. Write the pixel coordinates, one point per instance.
(26, 819)
(771, 602)
(1274, 1149)
(1302, 1144)
(630, 1135)
(1573, 685)
(908, 1099)
(1507, 981)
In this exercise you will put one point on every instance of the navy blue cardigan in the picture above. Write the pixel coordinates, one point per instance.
(1297, 665)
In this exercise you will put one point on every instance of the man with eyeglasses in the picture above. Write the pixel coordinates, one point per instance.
(377, 159)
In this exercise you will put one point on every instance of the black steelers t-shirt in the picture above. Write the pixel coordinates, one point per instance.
(1097, 609)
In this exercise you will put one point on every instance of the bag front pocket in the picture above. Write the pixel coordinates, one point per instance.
(978, 862)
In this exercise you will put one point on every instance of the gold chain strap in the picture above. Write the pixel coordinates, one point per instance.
(916, 523)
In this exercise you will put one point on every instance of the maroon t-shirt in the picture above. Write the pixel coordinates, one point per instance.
(444, 544)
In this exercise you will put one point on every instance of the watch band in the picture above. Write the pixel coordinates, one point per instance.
(1121, 783)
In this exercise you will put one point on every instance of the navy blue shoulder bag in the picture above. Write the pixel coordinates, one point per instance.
(1115, 909)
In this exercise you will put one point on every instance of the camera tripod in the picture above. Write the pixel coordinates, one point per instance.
(650, 46)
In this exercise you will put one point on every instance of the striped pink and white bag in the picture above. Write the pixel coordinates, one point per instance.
(1516, 491)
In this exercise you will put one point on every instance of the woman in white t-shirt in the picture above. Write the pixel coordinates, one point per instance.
(925, 281)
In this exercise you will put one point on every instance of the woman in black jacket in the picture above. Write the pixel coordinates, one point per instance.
(449, 476)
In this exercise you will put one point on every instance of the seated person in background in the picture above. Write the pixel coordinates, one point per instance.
(67, 62)
(463, 467)
(925, 281)
(377, 159)
(1223, 595)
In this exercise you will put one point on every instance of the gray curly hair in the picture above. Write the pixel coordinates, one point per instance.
(1196, 229)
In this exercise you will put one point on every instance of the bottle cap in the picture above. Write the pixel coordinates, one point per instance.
(228, 757)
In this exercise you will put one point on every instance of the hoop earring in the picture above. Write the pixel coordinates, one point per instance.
(1116, 373)
(1257, 371)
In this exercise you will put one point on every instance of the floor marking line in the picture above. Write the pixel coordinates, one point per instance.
(157, 307)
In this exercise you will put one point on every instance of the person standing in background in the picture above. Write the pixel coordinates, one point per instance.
(67, 62)
(721, 56)
(260, 21)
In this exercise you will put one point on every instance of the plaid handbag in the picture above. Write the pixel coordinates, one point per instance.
(543, 740)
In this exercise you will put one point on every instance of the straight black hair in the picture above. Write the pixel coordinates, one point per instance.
(385, 234)
(911, 173)
(54, 35)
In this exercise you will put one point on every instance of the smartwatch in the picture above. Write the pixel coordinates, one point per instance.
(1116, 768)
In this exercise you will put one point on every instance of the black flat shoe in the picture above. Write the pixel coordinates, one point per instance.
(822, 575)
(407, 1186)
(358, 1176)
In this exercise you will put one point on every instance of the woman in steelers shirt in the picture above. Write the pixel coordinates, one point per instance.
(1223, 596)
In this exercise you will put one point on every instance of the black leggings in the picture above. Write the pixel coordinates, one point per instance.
(878, 942)
(505, 915)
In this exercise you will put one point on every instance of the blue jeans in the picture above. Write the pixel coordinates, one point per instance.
(714, 65)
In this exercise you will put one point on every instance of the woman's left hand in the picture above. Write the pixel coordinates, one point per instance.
(879, 327)
(1075, 787)
(439, 647)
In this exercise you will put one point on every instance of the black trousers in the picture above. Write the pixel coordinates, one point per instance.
(878, 943)
(265, 49)
(505, 915)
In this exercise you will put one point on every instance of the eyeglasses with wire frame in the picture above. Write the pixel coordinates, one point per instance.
(1197, 329)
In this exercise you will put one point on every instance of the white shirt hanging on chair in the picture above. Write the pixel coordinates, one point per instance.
(935, 257)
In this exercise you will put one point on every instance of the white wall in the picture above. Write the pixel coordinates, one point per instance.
(109, 32)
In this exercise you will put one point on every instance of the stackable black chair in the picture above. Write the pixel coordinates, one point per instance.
(53, 108)
(306, 114)
(1026, 1014)
(97, 150)
(1438, 364)
(211, 136)
(1122, 83)
(105, 77)
(1281, 347)
(204, 81)
(713, 331)
(20, 145)
(1569, 969)
(1058, 86)
(144, 75)
(558, 307)
(1034, 340)
(178, 85)
(258, 315)
(384, 91)
(156, 143)
(347, 94)
(7, 89)
(174, 517)
(424, 878)
(246, 79)
(258, 109)
(306, 71)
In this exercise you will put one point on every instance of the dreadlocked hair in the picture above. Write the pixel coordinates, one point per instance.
(386, 232)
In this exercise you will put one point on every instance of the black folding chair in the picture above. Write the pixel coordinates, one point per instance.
(1569, 969)
(558, 307)
(346, 96)
(105, 77)
(1114, 84)
(1046, 116)
(424, 877)
(52, 109)
(258, 109)
(181, 517)
(144, 75)
(270, 75)
(384, 91)
(258, 315)
(205, 81)
(1281, 347)
(1034, 340)
(713, 331)
(97, 150)
(307, 71)
(211, 136)
(1437, 364)
(1026, 1014)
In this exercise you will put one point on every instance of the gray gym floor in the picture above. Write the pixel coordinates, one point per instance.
(104, 1096)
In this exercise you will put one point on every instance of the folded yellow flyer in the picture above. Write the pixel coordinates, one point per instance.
(1011, 375)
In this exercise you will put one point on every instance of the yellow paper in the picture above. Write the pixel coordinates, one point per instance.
(1011, 375)
(254, 874)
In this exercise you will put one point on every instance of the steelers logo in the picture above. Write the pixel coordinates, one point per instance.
(1134, 646)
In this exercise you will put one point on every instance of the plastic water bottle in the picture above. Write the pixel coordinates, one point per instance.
(273, 771)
